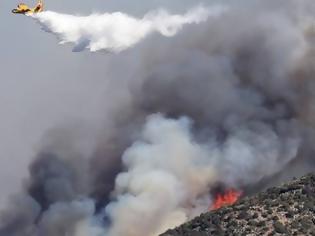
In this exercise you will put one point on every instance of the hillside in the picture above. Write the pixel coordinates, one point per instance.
(285, 210)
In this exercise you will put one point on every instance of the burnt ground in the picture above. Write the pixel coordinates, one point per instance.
(285, 210)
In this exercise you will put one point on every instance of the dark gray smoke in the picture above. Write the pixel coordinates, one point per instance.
(228, 101)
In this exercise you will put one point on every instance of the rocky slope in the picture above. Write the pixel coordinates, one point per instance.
(285, 210)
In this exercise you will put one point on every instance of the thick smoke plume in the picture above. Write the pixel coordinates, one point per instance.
(117, 31)
(228, 101)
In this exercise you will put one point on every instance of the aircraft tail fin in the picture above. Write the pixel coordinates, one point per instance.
(39, 7)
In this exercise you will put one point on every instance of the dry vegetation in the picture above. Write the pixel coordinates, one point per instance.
(285, 210)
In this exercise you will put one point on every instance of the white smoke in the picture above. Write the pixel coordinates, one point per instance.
(118, 31)
(164, 168)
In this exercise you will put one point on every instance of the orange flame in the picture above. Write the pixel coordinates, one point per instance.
(228, 198)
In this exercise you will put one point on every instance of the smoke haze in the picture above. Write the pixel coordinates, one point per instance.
(226, 100)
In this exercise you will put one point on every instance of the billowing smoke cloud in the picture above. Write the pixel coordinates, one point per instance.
(117, 31)
(227, 101)
(165, 168)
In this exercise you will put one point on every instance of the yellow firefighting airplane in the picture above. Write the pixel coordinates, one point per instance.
(26, 10)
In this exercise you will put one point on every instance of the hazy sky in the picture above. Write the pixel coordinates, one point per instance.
(43, 84)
